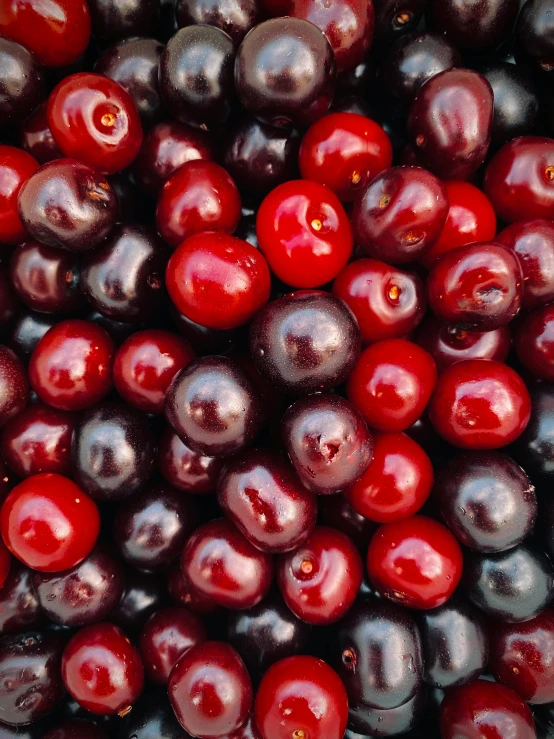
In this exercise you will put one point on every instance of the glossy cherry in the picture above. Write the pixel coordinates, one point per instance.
(16, 167)
(534, 33)
(152, 717)
(534, 449)
(183, 593)
(336, 512)
(49, 523)
(23, 87)
(301, 696)
(472, 27)
(19, 606)
(534, 342)
(185, 469)
(480, 404)
(144, 595)
(516, 101)
(235, 17)
(101, 670)
(37, 139)
(113, 20)
(14, 388)
(388, 722)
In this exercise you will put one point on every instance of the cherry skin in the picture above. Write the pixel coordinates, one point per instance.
(223, 565)
(198, 196)
(235, 17)
(14, 388)
(210, 690)
(533, 34)
(519, 180)
(470, 218)
(320, 580)
(37, 139)
(400, 214)
(145, 366)
(5, 563)
(23, 85)
(16, 167)
(95, 120)
(479, 286)
(472, 27)
(102, 671)
(209, 270)
(344, 151)
(397, 482)
(388, 302)
(416, 562)
(304, 233)
(480, 404)
(49, 523)
(167, 635)
(516, 100)
(185, 469)
(534, 342)
(38, 440)
(71, 366)
(57, 31)
(336, 512)
(485, 709)
(183, 593)
(301, 697)
(20, 609)
(391, 384)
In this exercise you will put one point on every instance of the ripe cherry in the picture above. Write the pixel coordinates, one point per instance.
(16, 167)
(184, 594)
(19, 606)
(534, 342)
(14, 388)
(37, 139)
(235, 17)
(480, 28)
(185, 469)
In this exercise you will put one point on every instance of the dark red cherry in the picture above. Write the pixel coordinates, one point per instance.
(144, 595)
(166, 636)
(102, 671)
(395, 18)
(400, 214)
(235, 17)
(534, 342)
(389, 722)
(336, 512)
(19, 605)
(152, 717)
(23, 87)
(472, 26)
(37, 139)
(260, 493)
(301, 696)
(223, 565)
(534, 450)
(28, 329)
(185, 469)
(480, 404)
(184, 594)
(210, 690)
(113, 20)
(450, 123)
(76, 729)
(534, 33)
(16, 167)
(14, 388)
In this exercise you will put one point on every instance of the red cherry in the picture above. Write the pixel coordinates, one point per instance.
(344, 151)
(198, 196)
(211, 270)
(56, 31)
(185, 594)
(397, 482)
(94, 119)
(145, 365)
(391, 384)
(301, 698)
(534, 342)
(304, 233)
(5, 563)
(71, 366)
(16, 166)
(470, 218)
(416, 562)
(49, 523)
(186, 469)
(14, 388)
(102, 671)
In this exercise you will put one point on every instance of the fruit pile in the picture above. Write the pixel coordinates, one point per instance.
(276, 369)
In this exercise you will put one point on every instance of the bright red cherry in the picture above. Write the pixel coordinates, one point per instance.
(534, 342)
(49, 523)
(391, 384)
(320, 580)
(397, 482)
(102, 670)
(71, 366)
(5, 562)
(212, 270)
(470, 218)
(416, 562)
(14, 388)
(301, 698)
(304, 233)
(186, 469)
(16, 166)
(145, 365)
(344, 151)
(198, 196)
(480, 404)
(56, 31)
(388, 302)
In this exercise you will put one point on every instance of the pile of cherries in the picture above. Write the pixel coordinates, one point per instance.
(276, 369)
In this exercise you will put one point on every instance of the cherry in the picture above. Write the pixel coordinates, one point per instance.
(76, 729)
(480, 404)
(533, 33)
(49, 523)
(94, 119)
(534, 449)
(235, 17)
(391, 384)
(394, 18)
(14, 388)
(304, 233)
(16, 167)
(66, 203)
(185, 469)
(198, 196)
(400, 214)
(534, 342)
(166, 636)
(71, 366)
(37, 139)
(519, 180)
(344, 151)
(144, 595)
(23, 87)
(301, 697)
(388, 722)
(336, 512)
(86, 593)
(470, 218)
(416, 562)
(210, 690)
(285, 72)
(19, 606)
(487, 710)
(516, 101)
(320, 580)
(113, 20)
(102, 671)
(450, 123)
(203, 339)
(184, 594)
(56, 31)
(473, 27)
(38, 440)
(27, 330)
(533, 243)
(152, 718)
